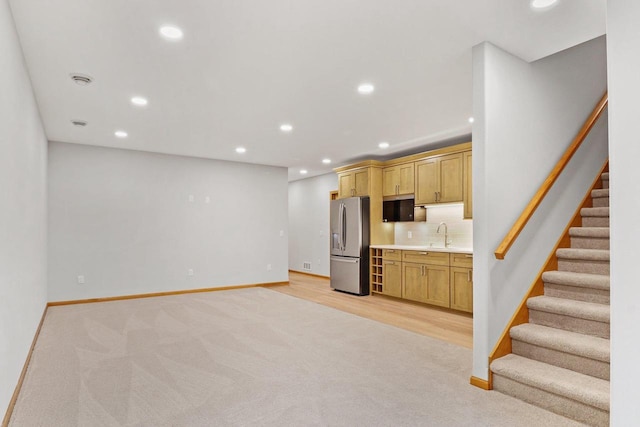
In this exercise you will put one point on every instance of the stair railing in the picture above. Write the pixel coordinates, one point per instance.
(528, 211)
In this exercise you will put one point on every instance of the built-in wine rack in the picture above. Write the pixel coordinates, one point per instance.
(376, 270)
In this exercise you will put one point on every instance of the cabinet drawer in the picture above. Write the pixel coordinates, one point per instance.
(462, 260)
(426, 257)
(392, 254)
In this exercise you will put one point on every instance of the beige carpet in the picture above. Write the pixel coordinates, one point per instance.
(249, 357)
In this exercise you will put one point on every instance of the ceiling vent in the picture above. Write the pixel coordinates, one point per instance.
(81, 79)
(79, 123)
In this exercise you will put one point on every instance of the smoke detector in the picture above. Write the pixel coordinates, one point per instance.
(79, 123)
(81, 79)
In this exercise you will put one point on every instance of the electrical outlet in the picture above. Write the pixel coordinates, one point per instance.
(281, 233)
(190, 272)
(409, 235)
(268, 267)
(192, 198)
(81, 280)
(207, 199)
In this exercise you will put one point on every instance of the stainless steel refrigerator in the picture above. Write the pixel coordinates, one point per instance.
(349, 265)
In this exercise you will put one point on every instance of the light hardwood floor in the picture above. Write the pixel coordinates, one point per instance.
(447, 325)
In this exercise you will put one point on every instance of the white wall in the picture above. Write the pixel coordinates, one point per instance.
(123, 219)
(526, 115)
(623, 45)
(309, 223)
(23, 215)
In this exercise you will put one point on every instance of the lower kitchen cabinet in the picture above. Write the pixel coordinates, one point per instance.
(462, 289)
(392, 278)
(436, 278)
(426, 283)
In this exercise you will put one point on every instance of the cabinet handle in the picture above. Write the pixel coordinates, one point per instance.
(397, 188)
(423, 253)
(436, 194)
(468, 256)
(391, 263)
(390, 251)
(468, 275)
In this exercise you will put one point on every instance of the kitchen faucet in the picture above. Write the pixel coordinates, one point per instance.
(446, 234)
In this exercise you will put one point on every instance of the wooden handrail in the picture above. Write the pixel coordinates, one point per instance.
(526, 214)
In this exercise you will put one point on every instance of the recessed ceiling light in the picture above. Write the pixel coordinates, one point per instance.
(170, 32)
(303, 171)
(286, 127)
(121, 134)
(241, 150)
(471, 120)
(542, 4)
(139, 101)
(81, 79)
(326, 161)
(366, 88)
(383, 145)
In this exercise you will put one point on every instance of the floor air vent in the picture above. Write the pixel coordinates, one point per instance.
(306, 266)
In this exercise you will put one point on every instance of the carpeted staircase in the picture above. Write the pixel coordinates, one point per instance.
(560, 359)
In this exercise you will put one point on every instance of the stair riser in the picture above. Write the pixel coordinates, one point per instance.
(600, 202)
(595, 368)
(605, 183)
(576, 293)
(552, 402)
(583, 266)
(589, 243)
(595, 221)
(568, 323)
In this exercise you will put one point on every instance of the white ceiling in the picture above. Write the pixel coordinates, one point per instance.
(246, 66)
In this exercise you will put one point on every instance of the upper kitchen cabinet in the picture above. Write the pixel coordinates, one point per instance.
(354, 183)
(439, 179)
(467, 177)
(398, 180)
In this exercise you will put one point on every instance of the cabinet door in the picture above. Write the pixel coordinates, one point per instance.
(427, 181)
(450, 178)
(392, 278)
(390, 180)
(344, 184)
(406, 178)
(468, 179)
(361, 182)
(462, 289)
(437, 285)
(414, 282)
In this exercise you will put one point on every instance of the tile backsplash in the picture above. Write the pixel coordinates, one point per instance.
(424, 233)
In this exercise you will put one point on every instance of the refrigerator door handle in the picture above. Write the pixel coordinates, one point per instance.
(347, 260)
(344, 227)
(340, 226)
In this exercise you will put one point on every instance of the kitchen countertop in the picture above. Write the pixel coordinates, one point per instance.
(427, 248)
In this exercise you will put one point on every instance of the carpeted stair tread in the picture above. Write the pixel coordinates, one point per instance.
(605, 175)
(579, 387)
(600, 192)
(564, 341)
(583, 254)
(572, 308)
(598, 212)
(583, 280)
(596, 232)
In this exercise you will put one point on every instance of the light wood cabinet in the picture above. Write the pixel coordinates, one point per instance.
(398, 180)
(426, 283)
(467, 184)
(353, 183)
(461, 288)
(392, 278)
(437, 278)
(461, 282)
(439, 179)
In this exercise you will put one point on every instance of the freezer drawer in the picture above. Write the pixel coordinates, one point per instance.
(347, 275)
